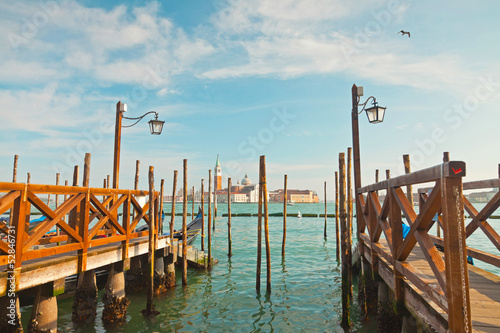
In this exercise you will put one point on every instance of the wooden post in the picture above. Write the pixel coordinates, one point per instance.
(65, 197)
(259, 234)
(337, 230)
(326, 215)
(229, 217)
(108, 181)
(160, 213)
(57, 201)
(285, 195)
(349, 222)
(376, 176)
(14, 180)
(172, 216)
(356, 159)
(83, 217)
(455, 252)
(215, 204)
(150, 308)
(409, 188)
(74, 213)
(14, 173)
(266, 222)
(396, 223)
(344, 233)
(209, 219)
(86, 170)
(446, 158)
(136, 181)
(28, 178)
(184, 226)
(118, 134)
(202, 216)
(192, 207)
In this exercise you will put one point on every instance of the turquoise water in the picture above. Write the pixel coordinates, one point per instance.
(305, 294)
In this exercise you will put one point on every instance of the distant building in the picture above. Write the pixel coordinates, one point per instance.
(217, 175)
(297, 196)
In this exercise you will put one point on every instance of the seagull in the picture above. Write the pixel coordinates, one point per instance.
(402, 32)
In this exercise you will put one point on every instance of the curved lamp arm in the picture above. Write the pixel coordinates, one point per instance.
(366, 102)
(140, 118)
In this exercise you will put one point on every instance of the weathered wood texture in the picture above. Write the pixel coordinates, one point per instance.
(346, 287)
(285, 195)
(96, 214)
(229, 243)
(184, 224)
(451, 290)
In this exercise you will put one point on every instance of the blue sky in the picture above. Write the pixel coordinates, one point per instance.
(243, 79)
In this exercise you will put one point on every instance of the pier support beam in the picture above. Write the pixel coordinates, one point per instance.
(135, 277)
(10, 315)
(409, 325)
(44, 313)
(160, 278)
(115, 302)
(387, 320)
(169, 264)
(85, 301)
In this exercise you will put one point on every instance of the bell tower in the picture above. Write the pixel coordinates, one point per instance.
(218, 175)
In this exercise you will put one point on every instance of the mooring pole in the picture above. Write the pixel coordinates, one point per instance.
(344, 233)
(184, 227)
(409, 188)
(285, 195)
(192, 206)
(259, 234)
(349, 222)
(151, 247)
(172, 214)
(229, 217)
(266, 223)
(209, 219)
(202, 216)
(326, 214)
(57, 200)
(160, 213)
(337, 230)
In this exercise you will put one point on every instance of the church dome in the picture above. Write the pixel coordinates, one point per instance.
(246, 181)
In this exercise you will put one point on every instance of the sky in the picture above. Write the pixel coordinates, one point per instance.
(244, 78)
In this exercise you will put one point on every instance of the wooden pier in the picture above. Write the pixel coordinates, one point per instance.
(440, 289)
(97, 231)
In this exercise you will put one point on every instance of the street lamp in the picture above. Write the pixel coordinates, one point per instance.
(155, 126)
(375, 115)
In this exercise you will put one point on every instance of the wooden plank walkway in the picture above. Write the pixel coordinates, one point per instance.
(47, 269)
(484, 292)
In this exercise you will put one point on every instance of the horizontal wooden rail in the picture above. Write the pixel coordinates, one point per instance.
(448, 169)
(75, 217)
(451, 287)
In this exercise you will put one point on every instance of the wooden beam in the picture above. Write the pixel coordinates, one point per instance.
(457, 277)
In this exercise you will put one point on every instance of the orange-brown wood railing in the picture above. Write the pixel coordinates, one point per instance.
(92, 212)
(479, 220)
(451, 292)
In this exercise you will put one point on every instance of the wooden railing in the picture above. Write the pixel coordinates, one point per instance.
(479, 220)
(451, 292)
(85, 214)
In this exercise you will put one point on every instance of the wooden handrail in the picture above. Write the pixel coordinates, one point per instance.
(77, 234)
(450, 271)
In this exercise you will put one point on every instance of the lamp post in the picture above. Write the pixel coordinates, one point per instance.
(155, 127)
(375, 115)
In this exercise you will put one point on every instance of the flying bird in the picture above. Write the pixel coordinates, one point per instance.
(402, 32)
